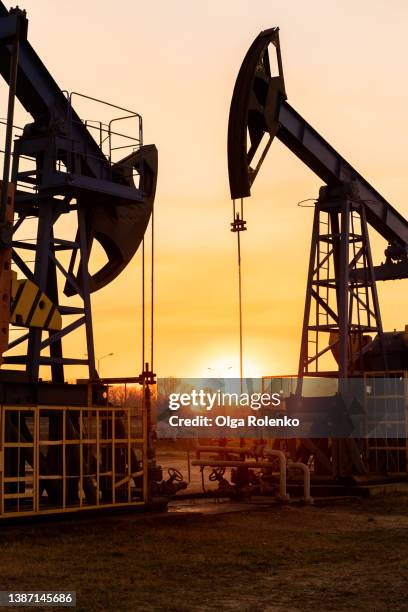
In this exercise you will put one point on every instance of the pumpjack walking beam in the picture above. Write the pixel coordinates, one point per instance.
(259, 108)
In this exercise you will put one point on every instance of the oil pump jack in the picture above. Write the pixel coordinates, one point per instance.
(69, 175)
(65, 446)
(342, 320)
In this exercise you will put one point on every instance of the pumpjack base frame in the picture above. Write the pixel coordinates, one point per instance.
(65, 449)
(16, 389)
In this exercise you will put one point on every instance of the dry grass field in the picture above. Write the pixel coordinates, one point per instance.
(348, 556)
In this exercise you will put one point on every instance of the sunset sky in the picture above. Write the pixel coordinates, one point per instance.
(176, 63)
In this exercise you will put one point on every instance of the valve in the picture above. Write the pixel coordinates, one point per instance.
(217, 475)
(172, 485)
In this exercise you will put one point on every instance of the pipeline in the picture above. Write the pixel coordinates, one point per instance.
(226, 461)
(269, 452)
(297, 465)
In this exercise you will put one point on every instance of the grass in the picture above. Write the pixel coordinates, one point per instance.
(341, 557)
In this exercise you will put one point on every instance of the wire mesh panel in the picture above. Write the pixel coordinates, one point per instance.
(379, 407)
(386, 396)
(19, 465)
(56, 459)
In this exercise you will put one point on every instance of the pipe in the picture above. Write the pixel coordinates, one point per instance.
(297, 465)
(188, 467)
(221, 450)
(253, 465)
(269, 452)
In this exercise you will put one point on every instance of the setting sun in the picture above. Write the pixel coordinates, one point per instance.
(228, 367)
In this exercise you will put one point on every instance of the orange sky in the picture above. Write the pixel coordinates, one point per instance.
(176, 63)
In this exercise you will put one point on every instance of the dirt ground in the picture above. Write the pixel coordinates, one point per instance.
(345, 556)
